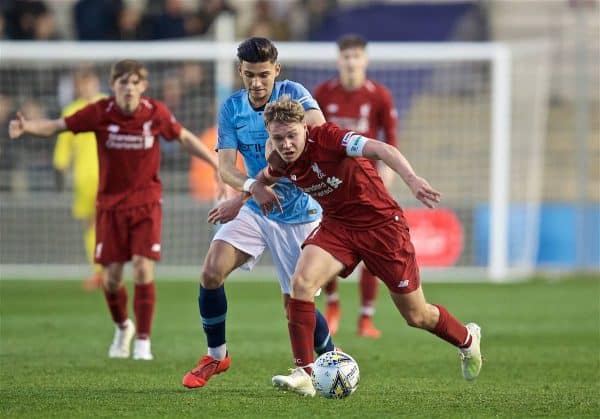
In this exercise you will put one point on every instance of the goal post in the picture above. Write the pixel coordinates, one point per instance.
(472, 120)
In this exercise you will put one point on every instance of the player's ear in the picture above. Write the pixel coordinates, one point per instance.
(144, 85)
(277, 69)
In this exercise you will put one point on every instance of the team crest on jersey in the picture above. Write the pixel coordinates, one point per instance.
(315, 168)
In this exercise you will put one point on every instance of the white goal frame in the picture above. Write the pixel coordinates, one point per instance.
(500, 55)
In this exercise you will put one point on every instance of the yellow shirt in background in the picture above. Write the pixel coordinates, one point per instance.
(80, 152)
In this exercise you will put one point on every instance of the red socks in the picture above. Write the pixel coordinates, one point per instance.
(301, 325)
(368, 288)
(117, 304)
(451, 330)
(144, 299)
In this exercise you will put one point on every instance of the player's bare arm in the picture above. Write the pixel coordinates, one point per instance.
(37, 127)
(314, 117)
(392, 157)
(228, 171)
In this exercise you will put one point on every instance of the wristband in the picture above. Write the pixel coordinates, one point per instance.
(248, 184)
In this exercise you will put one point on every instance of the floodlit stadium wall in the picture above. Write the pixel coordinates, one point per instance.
(472, 121)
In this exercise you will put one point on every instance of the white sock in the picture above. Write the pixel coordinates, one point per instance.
(367, 311)
(333, 298)
(220, 352)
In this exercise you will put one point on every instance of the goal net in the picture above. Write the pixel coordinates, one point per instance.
(472, 121)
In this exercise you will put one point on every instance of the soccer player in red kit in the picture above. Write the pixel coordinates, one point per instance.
(361, 221)
(128, 126)
(364, 106)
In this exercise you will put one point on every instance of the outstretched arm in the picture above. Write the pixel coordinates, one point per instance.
(392, 157)
(37, 127)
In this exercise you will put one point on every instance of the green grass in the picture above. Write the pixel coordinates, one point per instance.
(540, 341)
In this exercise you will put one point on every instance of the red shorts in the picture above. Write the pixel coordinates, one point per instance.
(386, 251)
(122, 233)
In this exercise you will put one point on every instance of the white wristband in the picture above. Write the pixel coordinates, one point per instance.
(248, 184)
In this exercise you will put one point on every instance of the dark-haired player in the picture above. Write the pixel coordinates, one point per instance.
(245, 235)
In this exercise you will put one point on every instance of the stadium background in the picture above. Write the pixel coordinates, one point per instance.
(540, 336)
(569, 220)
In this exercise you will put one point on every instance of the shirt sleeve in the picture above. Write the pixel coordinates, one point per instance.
(302, 95)
(170, 128)
(333, 139)
(226, 137)
(84, 120)
(388, 118)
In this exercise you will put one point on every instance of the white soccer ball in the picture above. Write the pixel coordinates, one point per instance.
(335, 375)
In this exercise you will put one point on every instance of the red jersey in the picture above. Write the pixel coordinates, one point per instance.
(348, 189)
(366, 110)
(128, 149)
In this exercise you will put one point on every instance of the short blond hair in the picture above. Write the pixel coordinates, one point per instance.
(284, 110)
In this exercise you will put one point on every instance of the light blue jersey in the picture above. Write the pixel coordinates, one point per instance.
(241, 127)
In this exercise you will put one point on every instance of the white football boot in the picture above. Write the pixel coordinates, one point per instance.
(298, 381)
(471, 357)
(121, 344)
(141, 350)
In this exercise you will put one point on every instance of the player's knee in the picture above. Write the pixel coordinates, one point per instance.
(302, 286)
(211, 277)
(142, 270)
(415, 318)
(112, 282)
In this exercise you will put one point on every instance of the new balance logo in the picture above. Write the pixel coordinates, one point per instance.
(334, 182)
(403, 283)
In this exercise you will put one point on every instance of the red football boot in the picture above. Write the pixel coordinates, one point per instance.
(207, 367)
(367, 329)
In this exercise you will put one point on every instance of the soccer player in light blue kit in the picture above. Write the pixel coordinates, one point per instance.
(243, 238)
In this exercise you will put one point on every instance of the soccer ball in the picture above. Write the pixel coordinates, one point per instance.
(335, 375)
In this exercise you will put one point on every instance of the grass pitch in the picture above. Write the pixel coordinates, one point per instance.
(540, 342)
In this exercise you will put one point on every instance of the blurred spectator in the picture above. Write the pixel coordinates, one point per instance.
(97, 20)
(129, 25)
(29, 20)
(210, 11)
(175, 22)
(317, 10)
(266, 24)
(198, 95)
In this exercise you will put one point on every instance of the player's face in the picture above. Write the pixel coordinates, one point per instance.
(259, 79)
(128, 90)
(352, 63)
(288, 139)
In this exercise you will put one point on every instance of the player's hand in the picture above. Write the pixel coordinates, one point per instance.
(266, 198)
(16, 127)
(424, 192)
(226, 210)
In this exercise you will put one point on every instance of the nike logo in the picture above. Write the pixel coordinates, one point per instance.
(241, 126)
